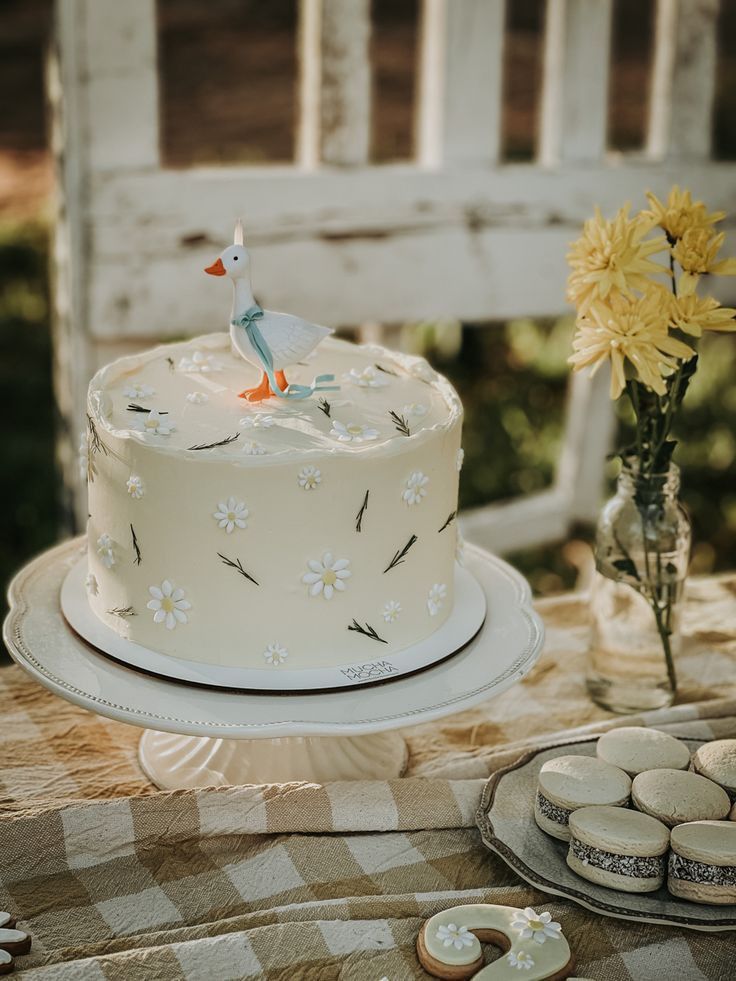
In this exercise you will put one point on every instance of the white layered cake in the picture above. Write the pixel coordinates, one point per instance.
(284, 534)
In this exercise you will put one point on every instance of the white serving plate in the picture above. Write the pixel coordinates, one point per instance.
(506, 821)
(499, 656)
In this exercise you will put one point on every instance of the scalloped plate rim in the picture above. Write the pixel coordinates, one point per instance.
(451, 686)
(583, 898)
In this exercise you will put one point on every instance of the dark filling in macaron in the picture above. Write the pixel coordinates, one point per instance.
(637, 866)
(558, 814)
(712, 875)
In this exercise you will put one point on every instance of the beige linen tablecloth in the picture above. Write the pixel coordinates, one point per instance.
(303, 881)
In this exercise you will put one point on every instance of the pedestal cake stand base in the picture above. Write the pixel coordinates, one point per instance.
(198, 736)
(172, 761)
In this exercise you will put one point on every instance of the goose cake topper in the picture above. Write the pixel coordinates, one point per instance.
(270, 341)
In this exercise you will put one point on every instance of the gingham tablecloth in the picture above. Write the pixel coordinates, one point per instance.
(303, 881)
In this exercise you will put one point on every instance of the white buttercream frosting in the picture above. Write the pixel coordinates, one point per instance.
(285, 427)
(238, 504)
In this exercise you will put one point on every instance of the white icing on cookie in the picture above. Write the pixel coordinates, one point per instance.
(5, 957)
(5, 917)
(537, 948)
(12, 937)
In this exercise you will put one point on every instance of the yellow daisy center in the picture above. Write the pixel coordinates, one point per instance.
(167, 604)
(536, 925)
(329, 577)
(355, 430)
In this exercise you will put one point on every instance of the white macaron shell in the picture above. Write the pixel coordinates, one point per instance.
(620, 831)
(677, 796)
(579, 781)
(636, 749)
(717, 761)
(711, 842)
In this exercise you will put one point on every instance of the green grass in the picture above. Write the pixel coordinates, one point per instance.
(512, 379)
(29, 511)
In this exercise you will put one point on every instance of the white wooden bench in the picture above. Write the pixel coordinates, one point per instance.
(454, 233)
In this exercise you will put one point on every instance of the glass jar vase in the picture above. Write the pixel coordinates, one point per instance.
(642, 552)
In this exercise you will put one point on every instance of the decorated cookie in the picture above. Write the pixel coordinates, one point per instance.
(533, 946)
(717, 762)
(14, 941)
(636, 749)
(702, 865)
(569, 782)
(618, 848)
(677, 796)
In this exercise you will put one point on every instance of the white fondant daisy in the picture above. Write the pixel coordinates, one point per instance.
(83, 454)
(135, 487)
(201, 362)
(368, 377)
(459, 458)
(326, 576)
(537, 927)
(436, 598)
(391, 611)
(154, 422)
(415, 488)
(521, 960)
(421, 369)
(138, 392)
(454, 936)
(92, 585)
(106, 551)
(309, 478)
(168, 604)
(416, 409)
(260, 420)
(251, 447)
(231, 514)
(275, 654)
(197, 398)
(352, 432)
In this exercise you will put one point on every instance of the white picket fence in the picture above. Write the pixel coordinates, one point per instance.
(454, 233)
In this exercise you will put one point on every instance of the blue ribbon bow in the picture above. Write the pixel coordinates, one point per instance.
(260, 346)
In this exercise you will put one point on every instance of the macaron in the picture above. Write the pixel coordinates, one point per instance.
(569, 782)
(717, 762)
(618, 848)
(636, 749)
(677, 796)
(702, 864)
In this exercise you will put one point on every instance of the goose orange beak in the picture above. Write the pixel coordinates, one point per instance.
(216, 269)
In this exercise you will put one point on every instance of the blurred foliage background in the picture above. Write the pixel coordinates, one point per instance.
(512, 376)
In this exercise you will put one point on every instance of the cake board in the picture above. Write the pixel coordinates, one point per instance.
(199, 736)
(377, 664)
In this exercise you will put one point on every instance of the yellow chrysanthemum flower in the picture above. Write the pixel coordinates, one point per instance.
(693, 314)
(634, 330)
(679, 213)
(611, 256)
(696, 252)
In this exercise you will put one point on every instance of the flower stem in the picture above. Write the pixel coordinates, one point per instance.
(651, 435)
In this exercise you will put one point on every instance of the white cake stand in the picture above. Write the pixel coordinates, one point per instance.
(197, 736)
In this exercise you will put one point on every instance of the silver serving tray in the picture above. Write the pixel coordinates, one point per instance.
(507, 826)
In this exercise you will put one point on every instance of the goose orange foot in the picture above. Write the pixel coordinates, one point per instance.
(263, 390)
(259, 393)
